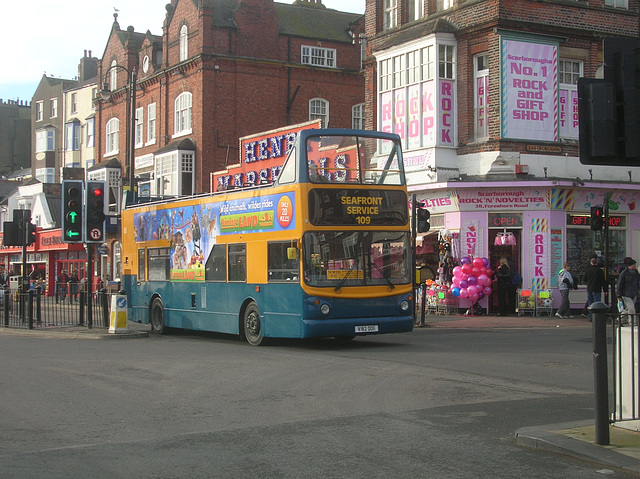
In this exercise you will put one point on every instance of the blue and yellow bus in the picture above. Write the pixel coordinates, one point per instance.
(322, 251)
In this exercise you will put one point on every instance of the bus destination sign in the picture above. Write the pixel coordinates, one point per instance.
(329, 207)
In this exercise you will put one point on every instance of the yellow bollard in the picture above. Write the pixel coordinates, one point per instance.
(118, 317)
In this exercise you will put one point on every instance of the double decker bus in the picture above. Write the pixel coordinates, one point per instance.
(322, 251)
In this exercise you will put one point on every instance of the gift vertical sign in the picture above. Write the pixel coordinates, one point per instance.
(529, 90)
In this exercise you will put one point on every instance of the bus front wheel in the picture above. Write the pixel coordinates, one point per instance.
(156, 316)
(252, 325)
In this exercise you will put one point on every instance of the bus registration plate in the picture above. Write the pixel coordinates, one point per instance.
(369, 328)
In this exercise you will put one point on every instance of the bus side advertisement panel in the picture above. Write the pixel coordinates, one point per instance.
(193, 229)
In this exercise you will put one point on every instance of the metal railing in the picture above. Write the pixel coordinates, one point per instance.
(34, 309)
(626, 373)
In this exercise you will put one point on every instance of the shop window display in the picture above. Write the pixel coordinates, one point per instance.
(583, 243)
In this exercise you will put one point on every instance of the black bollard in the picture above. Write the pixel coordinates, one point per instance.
(600, 376)
(6, 298)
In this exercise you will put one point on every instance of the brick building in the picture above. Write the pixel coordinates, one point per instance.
(484, 95)
(223, 69)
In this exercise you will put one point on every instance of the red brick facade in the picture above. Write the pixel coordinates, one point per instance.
(578, 27)
(244, 72)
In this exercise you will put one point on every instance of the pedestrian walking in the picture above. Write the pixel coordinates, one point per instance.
(595, 281)
(565, 284)
(627, 290)
(73, 286)
(62, 284)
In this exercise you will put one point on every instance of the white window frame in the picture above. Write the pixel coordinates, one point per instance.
(40, 110)
(569, 76)
(184, 43)
(318, 56)
(390, 14)
(357, 116)
(416, 9)
(90, 140)
(53, 103)
(480, 96)
(151, 124)
(139, 129)
(617, 3)
(74, 103)
(446, 61)
(113, 76)
(112, 139)
(444, 5)
(45, 140)
(182, 116)
(319, 109)
(569, 70)
(72, 136)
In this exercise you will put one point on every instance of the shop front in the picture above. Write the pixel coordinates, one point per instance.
(536, 226)
(45, 260)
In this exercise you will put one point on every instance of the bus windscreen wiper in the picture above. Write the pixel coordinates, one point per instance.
(355, 265)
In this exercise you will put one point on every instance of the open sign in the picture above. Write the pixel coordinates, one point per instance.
(504, 220)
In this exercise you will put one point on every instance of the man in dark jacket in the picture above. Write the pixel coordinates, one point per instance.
(594, 278)
(627, 289)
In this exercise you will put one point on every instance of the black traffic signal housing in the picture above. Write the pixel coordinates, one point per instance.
(597, 122)
(95, 216)
(31, 234)
(72, 211)
(10, 234)
(597, 218)
(422, 217)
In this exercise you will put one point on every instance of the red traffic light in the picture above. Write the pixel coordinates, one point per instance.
(97, 192)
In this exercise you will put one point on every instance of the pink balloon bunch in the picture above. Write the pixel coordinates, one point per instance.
(472, 279)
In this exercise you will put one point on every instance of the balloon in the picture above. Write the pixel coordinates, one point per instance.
(487, 290)
(463, 293)
(465, 260)
(476, 272)
(456, 292)
(466, 268)
(484, 279)
(472, 290)
(483, 270)
(489, 272)
(457, 271)
(473, 298)
(478, 263)
(472, 280)
(480, 295)
(456, 281)
(485, 262)
(464, 284)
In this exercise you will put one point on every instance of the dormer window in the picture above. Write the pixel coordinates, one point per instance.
(320, 57)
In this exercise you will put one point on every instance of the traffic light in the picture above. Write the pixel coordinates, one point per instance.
(94, 218)
(597, 218)
(72, 208)
(10, 234)
(422, 217)
(31, 234)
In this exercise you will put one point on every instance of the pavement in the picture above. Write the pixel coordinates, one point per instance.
(576, 439)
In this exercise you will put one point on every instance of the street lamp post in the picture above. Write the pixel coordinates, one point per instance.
(105, 94)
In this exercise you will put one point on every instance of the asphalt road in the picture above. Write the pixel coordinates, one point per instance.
(435, 403)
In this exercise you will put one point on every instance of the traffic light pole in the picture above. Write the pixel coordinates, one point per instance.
(607, 271)
(89, 285)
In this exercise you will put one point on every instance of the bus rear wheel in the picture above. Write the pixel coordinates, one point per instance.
(156, 316)
(252, 325)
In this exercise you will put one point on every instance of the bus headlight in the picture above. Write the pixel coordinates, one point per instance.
(404, 305)
(325, 309)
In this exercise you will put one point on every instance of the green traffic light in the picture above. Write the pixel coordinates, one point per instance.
(72, 216)
(71, 233)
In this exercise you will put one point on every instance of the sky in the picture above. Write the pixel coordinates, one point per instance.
(50, 36)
